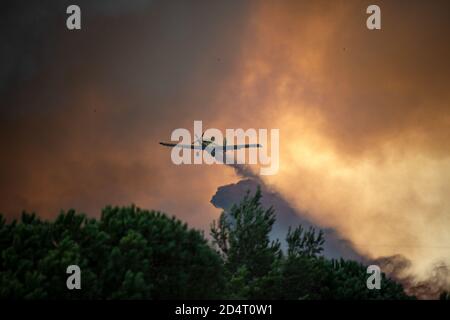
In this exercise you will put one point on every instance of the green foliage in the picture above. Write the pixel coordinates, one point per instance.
(242, 237)
(305, 243)
(349, 281)
(258, 269)
(129, 253)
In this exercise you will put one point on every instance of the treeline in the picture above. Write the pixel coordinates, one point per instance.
(131, 253)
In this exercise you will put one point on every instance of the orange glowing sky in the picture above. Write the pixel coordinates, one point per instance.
(364, 116)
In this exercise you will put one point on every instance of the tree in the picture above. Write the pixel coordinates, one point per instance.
(257, 268)
(305, 274)
(349, 283)
(128, 253)
(131, 253)
(242, 236)
(304, 243)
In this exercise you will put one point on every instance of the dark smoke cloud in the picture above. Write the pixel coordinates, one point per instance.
(82, 112)
(397, 267)
(363, 116)
(30, 29)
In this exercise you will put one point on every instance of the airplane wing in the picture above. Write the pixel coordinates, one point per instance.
(184, 146)
(241, 146)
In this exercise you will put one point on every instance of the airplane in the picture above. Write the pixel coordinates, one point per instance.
(204, 143)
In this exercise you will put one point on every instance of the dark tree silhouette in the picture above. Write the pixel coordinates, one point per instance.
(131, 253)
(127, 254)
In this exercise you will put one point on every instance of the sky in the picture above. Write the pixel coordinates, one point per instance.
(364, 116)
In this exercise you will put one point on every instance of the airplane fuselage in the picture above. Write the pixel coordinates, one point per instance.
(206, 143)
